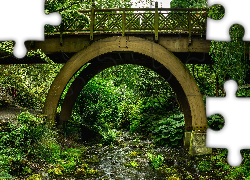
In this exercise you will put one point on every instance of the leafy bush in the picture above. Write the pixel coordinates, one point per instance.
(4, 175)
(205, 166)
(17, 142)
(96, 109)
(30, 138)
(109, 101)
(216, 122)
(155, 160)
(109, 137)
(169, 131)
(133, 163)
(150, 111)
(30, 82)
(135, 126)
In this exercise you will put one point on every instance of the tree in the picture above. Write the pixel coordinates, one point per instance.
(31, 82)
(188, 3)
(229, 58)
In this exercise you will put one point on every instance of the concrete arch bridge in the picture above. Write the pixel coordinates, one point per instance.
(161, 39)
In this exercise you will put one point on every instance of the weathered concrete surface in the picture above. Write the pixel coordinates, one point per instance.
(186, 139)
(138, 45)
(61, 48)
(72, 43)
(197, 143)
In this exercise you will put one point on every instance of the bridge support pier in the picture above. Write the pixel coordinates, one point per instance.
(196, 142)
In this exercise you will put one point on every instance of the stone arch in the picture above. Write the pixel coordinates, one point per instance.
(109, 59)
(131, 44)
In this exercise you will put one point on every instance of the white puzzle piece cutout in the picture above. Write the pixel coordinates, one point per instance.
(236, 132)
(235, 13)
(23, 20)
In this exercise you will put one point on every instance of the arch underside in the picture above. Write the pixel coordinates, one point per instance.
(119, 58)
(121, 50)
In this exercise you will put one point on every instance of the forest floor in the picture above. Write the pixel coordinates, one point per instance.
(128, 157)
(9, 113)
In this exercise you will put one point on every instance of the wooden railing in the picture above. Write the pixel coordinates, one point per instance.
(168, 20)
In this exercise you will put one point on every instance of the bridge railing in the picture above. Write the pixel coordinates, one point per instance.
(167, 20)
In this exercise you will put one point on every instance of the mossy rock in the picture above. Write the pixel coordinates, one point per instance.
(131, 164)
(167, 170)
(123, 145)
(94, 159)
(92, 171)
(189, 177)
(84, 165)
(133, 154)
(80, 172)
(35, 177)
(173, 178)
(57, 170)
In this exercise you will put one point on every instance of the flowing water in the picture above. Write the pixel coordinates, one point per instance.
(129, 160)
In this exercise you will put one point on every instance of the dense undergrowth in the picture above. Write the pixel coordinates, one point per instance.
(108, 104)
(31, 149)
(32, 146)
(132, 104)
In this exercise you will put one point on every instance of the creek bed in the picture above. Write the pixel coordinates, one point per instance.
(128, 159)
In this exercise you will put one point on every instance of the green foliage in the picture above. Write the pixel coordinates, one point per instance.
(150, 110)
(204, 166)
(57, 171)
(169, 131)
(35, 177)
(205, 78)
(155, 160)
(7, 48)
(218, 163)
(25, 118)
(135, 126)
(216, 12)
(133, 163)
(4, 175)
(109, 101)
(33, 140)
(216, 122)
(228, 57)
(188, 3)
(96, 107)
(69, 11)
(17, 142)
(109, 137)
(30, 82)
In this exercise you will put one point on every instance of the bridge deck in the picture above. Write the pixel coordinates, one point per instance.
(181, 31)
(61, 47)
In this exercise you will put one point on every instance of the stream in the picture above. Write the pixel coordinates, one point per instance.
(129, 160)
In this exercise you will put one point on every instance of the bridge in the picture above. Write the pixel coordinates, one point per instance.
(162, 39)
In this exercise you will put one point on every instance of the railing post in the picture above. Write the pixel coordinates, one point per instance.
(205, 23)
(92, 22)
(189, 27)
(156, 21)
(123, 22)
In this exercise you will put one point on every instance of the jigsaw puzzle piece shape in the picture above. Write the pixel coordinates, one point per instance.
(236, 12)
(24, 20)
(235, 134)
